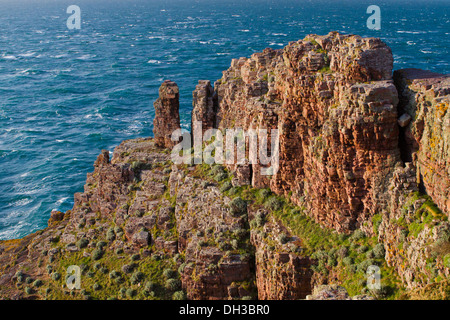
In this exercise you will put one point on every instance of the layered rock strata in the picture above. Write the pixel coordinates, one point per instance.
(425, 100)
(334, 103)
(167, 117)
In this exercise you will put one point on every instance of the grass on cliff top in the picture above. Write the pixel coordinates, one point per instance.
(344, 258)
(104, 278)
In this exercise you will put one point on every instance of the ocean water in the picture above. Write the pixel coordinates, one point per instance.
(67, 94)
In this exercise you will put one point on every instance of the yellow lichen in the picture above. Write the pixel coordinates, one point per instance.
(441, 109)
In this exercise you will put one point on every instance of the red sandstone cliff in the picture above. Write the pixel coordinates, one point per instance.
(358, 151)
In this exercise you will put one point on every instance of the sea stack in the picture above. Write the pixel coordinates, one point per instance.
(167, 117)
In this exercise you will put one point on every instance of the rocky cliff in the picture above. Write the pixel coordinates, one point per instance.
(363, 180)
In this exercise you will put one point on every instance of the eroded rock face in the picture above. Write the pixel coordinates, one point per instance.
(414, 248)
(204, 102)
(167, 117)
(204, 225)
(335, 105)
(282, 273)
(425, 98)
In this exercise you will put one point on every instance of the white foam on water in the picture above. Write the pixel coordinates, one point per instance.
(411, 32)
(62, 200)
(86, 57)
(9, 57)
(28, 54)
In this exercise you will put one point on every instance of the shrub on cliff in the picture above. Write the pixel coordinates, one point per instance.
(263, 194)
(181, 267)
(137, 277)
(217, 169)
(342, 252)
(320, 255)
(114, 274)
(348, 261)
(357, 235)
(110, 234)
(97, 266)
(447, 260)
(150, 286)
(101, 244)
(56, 276)
(82, 243)
(139, 165)
(97, 254)
(169, 273)
(135, 257)
(362, 267)
(370, 254)
(29, 290)
(234, 244)
(96, 286)
(128, 268)
(131, 293)
(220, 176)
(381, 293)
(49, 269)
(122, 292)
(379, 251)
(238, 207)
(226, 186)
(37, 283)
(179, 295)
(260, 219)
(224, 246)
(118, 231)
(362, 249)
(331, 262)
(19, 276)
(173, 284)
(205, 184)
(320, 268)
(84, 267)
(273, 203)
(240, 233)
(283, 238)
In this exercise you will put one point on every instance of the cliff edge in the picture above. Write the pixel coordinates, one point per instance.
(363, 181)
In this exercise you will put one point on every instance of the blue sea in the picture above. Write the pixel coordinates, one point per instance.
(67, 94)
